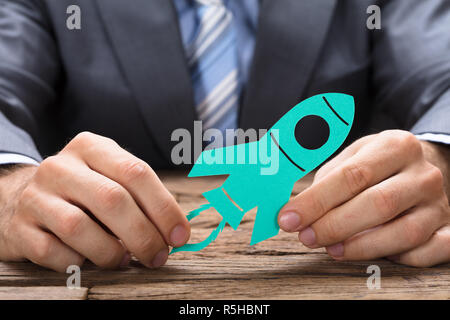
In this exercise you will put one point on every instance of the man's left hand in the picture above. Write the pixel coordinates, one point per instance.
(386, 195)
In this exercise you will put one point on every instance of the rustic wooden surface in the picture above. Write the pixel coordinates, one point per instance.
(279, 268)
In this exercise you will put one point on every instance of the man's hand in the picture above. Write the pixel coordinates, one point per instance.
(93, 200)
(383, 196)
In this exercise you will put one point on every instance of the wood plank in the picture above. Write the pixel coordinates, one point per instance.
(308, 276)
(295, 288)
(42, 293)
(279, 268)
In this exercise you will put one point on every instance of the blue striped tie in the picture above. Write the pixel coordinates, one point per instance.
(213, 63)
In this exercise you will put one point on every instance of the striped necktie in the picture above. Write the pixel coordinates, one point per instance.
(213, 63)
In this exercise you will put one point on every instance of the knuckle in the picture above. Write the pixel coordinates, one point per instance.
(41, 250)
(386, 202)
(83, 139)
(404, 137)
(406, 141)
(163, 204)
(415, 232)
(28, 195)
(321, 172)
(357, 177)
(29, 198)
(110, 195)
(87, 140)
(423, 261)
(70, 225)
(309, 202)
(434, 179)
(50, 164)
(132, 170)
(361, 252)
(145, 244)
(330, 231)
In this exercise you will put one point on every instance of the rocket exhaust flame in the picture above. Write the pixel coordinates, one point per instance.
(203, 244)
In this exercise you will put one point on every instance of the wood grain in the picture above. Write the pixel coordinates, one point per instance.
(42, 293)
(279, 268)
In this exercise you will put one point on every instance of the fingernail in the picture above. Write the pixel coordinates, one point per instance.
(307, 237)
(160, 258)
(336, 250)
(179, 236)
(125, 260)
(289, 221)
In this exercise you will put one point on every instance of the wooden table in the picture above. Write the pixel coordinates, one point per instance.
(279, 268)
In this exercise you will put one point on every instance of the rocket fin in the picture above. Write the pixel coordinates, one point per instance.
(266, 221)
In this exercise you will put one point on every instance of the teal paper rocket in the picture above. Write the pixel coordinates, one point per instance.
(262, 173)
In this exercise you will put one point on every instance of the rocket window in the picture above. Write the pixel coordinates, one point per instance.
(312, 132)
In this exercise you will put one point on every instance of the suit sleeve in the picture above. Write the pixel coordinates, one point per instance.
(29, 68)
(411, 57)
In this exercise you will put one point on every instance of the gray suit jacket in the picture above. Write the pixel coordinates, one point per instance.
(124, 75)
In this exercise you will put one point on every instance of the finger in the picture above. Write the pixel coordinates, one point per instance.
(142, 183)
(46, 250)
(400, 235)
(76, 229)
(373, 163)
(433, 252)
(341, 157)
(113, 206)
(374, 206)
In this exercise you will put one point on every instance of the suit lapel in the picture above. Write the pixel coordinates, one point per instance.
(146, 39)
(290, 38)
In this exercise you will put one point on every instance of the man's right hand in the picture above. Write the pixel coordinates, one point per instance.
(92, 200)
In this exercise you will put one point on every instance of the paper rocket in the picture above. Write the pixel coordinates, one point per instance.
(299, 142)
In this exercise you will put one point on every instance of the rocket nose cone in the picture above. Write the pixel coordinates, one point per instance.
(342, 105)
